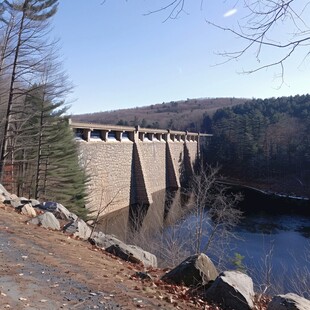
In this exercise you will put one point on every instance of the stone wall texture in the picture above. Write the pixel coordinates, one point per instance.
(153, 157)
(108, 166)
(127, 172)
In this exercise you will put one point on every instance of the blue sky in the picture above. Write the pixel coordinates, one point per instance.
(119, 58)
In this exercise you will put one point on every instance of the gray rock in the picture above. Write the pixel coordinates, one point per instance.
(28, 210)
(35, 203)
(24, 200)
(195, 270)
(104, 241)
(78, 229)
(59, 211)
(14, 197)
(117, 247)
(4, 194)
(16, 203)
(133, 254)
(289, 301)
(233, 290)
(46, 220)
(148, 259)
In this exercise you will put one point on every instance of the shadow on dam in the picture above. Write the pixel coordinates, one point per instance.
(168, 207)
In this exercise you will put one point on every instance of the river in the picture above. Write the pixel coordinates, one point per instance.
(271, 244)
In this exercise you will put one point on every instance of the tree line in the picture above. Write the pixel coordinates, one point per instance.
(263, 139)
(38, 153)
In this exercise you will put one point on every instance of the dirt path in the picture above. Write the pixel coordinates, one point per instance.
(42, 269)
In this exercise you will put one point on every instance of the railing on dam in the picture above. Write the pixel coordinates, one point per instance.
(111, 133)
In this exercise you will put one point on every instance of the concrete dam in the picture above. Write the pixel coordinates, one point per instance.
(128, 165)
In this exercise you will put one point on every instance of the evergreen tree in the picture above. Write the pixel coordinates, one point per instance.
(25, 26)
(47, 146)
(263, 139)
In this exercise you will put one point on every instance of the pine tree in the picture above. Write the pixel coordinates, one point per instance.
(48, 147)
(64, 181)
(25, 25)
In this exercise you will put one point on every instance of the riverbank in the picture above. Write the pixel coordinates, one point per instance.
(44, 269)
(291, 186)
(260, 199)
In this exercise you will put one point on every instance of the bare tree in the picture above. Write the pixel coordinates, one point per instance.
(300, 281)
(207, 220)
(164, 238)
(262, 25)
(102, 208)
(25, 28)
(216, 214)
(267, 26)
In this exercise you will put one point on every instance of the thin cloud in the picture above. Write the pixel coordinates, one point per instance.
(230, 12)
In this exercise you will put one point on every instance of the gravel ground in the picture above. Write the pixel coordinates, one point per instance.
(42, 269)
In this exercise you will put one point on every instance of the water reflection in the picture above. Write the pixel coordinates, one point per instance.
(266, 240)
(168, 207)
(172, 206)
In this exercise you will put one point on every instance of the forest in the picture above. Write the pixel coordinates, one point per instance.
(263, 141)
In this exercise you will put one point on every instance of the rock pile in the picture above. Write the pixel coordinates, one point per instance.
(54, 216)
(229, 289)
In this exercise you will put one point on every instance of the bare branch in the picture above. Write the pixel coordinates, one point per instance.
(260, 27)
(176, 6)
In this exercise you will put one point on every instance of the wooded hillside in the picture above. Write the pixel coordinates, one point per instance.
(264, 140)
(177, 115)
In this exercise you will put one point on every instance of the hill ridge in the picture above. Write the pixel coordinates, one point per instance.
(178, 115)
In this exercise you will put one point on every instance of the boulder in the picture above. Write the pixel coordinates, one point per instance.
(104, 241)
(3, 191)
(24, 200)
(4, 194)
(16, 203)
(289, 301)
(195, 270)
(117, 247)
(233, 290)
(28, 210)
(133, 254)
(14, 197)
(78, 229)
(147, 259)
(46, 220)
(58, 210)
(35, 203)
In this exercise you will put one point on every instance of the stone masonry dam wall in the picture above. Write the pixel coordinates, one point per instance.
(127, 165)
